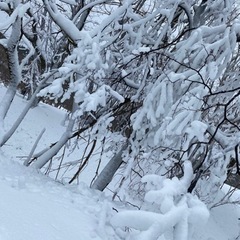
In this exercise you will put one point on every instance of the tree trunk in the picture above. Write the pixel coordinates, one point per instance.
(48, 155)
(105, 177)
(30, 103)
(13, 64)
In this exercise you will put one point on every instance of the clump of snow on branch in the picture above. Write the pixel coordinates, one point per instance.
(176, 212)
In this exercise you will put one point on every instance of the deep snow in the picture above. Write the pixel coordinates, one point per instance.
(33, 206)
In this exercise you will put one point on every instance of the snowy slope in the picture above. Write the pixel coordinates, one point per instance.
(43, 116)
(53, 119)
(34, 207)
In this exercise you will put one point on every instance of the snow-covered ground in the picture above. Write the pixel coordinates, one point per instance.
(35, 207)
(53, 119)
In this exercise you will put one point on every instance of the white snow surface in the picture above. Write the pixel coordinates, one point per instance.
(32, 205)
(35, 207)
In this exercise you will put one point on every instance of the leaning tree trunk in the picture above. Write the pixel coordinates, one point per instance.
(13, 64)
(105, 177)
(48, 155)
(28, 106)
(54, 149)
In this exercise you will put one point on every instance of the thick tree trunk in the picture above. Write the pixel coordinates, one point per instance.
(105, 177)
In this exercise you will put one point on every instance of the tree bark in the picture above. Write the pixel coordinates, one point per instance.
(105, 177)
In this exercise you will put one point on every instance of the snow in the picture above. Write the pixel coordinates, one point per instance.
(141, 50)
(213, 69)
(72, 2)
(33, 206)
(181, 214)
(68, 27)
(9, 20)
(23, 9)
(222, 224)
(197, 129)
(4, 6)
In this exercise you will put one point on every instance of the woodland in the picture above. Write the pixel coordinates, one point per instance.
(155, 84)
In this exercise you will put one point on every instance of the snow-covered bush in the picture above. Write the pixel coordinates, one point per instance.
(169, 212)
